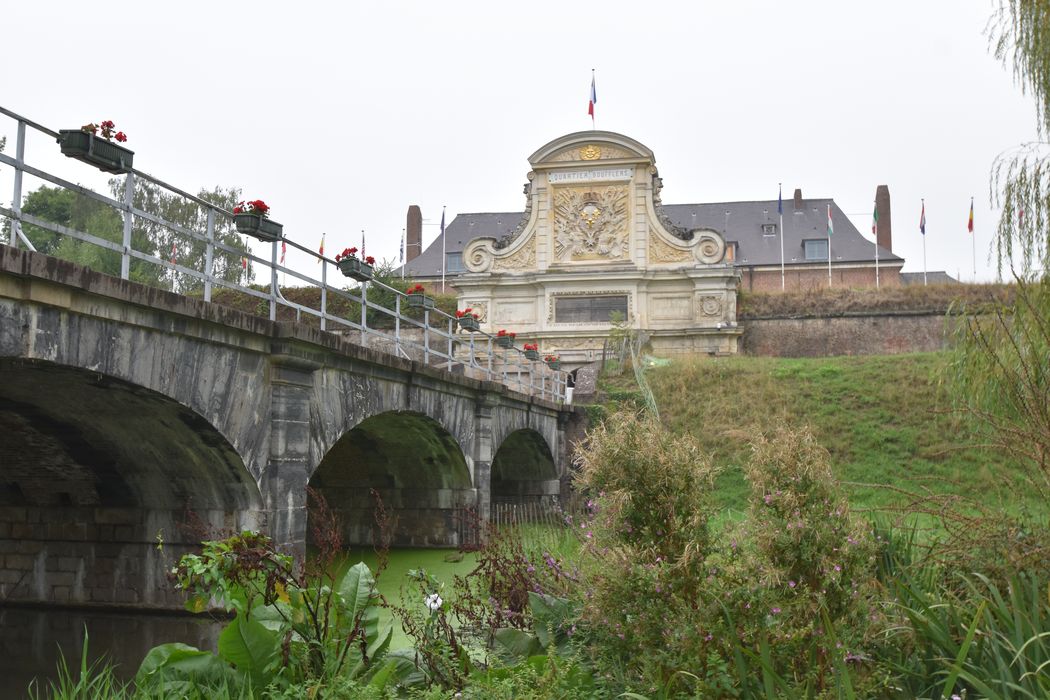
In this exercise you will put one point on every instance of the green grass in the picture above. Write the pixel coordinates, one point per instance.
(886, 420)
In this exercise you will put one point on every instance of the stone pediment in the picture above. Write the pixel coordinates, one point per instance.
(586, 146)
(593, 200)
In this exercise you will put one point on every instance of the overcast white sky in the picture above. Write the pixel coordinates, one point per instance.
(341, 115)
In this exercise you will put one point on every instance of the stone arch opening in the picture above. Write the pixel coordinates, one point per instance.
(415, 466)
(103, 484)
(523, 471)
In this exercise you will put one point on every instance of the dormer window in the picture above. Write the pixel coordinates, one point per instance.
(769, 229)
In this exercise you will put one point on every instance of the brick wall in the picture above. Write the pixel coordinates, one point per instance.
(870, 334)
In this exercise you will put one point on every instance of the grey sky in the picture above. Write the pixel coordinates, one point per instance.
(340, 116)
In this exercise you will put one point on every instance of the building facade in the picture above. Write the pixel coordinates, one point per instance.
(595, 242)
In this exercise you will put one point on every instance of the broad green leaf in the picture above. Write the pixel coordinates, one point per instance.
(517, 643)
(178, 661)
(251, 648)
(356, 589)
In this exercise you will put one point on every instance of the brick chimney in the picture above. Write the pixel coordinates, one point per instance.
(883, 236)
(798, 199)
(413, 233)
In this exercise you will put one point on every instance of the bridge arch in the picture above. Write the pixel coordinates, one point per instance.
(523, 469)
(95, 473)
(417, 468)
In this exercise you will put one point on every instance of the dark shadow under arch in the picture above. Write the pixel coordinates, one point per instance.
(95, 472)
(416, 467)
(523, 469)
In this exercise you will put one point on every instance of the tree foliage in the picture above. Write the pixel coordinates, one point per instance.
(84, 214)
(1020, 183)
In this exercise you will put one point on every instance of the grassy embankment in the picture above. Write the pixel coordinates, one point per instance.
(886, 420)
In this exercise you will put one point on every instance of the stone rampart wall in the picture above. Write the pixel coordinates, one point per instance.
(867, 334)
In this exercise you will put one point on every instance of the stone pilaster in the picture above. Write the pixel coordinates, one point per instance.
(484, 450)
(290, 464)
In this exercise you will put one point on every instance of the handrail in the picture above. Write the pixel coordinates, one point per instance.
(438, 340)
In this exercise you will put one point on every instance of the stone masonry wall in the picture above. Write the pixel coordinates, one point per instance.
(870, 334)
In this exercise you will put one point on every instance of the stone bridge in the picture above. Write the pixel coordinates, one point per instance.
(132, 417)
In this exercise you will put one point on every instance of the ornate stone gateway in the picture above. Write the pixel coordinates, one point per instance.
(592, 245)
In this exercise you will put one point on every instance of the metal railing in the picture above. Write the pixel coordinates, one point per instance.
(432, 339)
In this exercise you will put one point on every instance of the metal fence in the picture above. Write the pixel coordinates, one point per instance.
(435, 339)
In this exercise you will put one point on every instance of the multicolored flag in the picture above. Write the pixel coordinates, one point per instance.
(320, 250)
(362, 244)
(831, 226)
(780, 199)
(875, 221)
(969, 225)
(284, 249)
(594, 99)
(922, 220)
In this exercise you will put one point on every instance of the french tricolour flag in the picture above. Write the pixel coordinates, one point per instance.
(594, 99)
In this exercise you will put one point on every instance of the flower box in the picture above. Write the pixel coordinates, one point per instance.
(420, 301)
(258, 226)
(554, 364)
(505, 341)
(95, 150)
(532, 354)
(355, 269)
(469, 323)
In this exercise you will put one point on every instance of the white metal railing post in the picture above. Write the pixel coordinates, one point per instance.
(451, 329)
(364, 313)
(397, 321)
(324, 293)
(129, 197)
(209, 255)
(273, 280)
(16, 197)
(426, 336)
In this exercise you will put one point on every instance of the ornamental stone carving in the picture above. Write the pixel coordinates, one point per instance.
(590, 223)
(710, 306)
(520, 260)
(662, 252)
(711, 247)
(590, 151)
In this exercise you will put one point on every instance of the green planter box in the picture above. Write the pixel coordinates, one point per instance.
(555, 365)
(355, 269)
(505, 342)
(258, 226)
(94, 150)
(420, 301)
(532, 354)
(469, 323)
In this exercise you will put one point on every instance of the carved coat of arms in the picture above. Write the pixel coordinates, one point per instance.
(590, 224)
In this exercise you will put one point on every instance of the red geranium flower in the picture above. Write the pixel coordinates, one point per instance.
(121, 137)
(418, 289)
(370, 260)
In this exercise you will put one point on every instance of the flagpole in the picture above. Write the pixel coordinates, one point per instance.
(829, 246)
(923, 242)
(780, 210)
(442, 249)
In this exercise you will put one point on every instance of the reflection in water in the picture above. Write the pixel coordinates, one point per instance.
(32, 640)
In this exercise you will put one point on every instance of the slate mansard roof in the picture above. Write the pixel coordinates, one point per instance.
(743, 226)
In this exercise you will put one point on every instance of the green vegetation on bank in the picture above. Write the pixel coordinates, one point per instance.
(887, 421)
